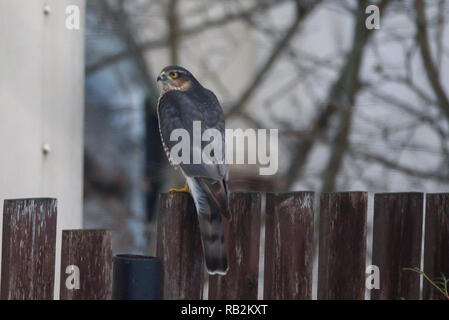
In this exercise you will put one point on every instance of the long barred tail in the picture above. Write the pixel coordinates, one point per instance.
(211, 201)
(212, 236)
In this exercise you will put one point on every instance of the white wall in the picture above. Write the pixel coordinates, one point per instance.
(42, 102)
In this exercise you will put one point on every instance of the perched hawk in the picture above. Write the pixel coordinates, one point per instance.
(182, 101)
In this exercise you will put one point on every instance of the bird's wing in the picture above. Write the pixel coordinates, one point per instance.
(178, 109)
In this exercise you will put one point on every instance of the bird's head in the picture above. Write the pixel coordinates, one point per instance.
(175, 78)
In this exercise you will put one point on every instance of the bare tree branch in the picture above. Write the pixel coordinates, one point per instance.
(303, 9)
(393, 165)
(341, 98)
(195, 30)
(346, 97)
(173, 30)
(127, 36)
(429, 65)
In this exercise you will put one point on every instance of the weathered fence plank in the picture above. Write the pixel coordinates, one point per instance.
(436, 244)
(91, 252)
(342, 247)
(28, 249)
(179, 247)
(397, 236)
(242, 240)
(289, 245)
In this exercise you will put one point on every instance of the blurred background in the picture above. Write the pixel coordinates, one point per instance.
(356, 109)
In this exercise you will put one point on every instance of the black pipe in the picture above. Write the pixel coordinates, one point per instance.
(136, 277)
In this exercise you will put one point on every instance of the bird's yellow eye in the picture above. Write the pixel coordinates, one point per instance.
(173, 75)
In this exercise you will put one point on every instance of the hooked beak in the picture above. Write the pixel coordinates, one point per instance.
(161, 76)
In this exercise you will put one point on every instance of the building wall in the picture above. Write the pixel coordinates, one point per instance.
(41, 103)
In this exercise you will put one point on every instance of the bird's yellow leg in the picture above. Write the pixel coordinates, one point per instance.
(185, 189)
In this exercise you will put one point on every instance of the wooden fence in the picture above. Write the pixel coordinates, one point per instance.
(276, 227)
(29, 250)
(288, 246)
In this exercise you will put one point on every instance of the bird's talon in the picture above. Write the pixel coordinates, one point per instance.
(185, 189)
